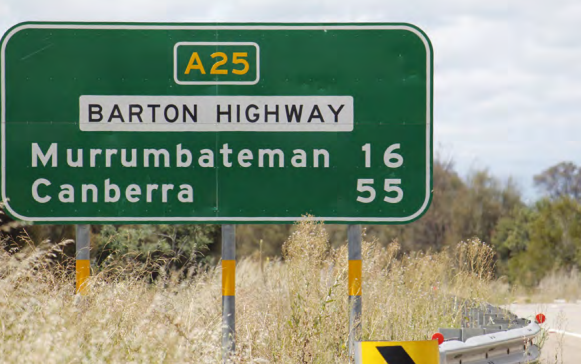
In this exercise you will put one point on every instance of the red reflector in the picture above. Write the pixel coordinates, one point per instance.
(439, 337)
(540, 318)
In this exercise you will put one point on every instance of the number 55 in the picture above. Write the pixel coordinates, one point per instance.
(365, 185)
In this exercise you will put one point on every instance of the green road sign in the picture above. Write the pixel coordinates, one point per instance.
(252, 123)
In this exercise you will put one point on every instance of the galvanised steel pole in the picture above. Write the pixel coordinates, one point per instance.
(354, 247)
(83, 256)
(228, 291)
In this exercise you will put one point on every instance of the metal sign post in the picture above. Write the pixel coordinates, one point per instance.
(354, 247)
(228, 291)
(83, 256)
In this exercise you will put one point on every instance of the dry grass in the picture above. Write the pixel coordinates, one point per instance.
(558, 285)
(291, 311)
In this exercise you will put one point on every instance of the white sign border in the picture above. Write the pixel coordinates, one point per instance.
(409, 28)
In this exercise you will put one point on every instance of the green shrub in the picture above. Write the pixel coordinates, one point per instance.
(175, 247)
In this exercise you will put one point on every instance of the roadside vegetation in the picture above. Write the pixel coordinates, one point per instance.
(289, 310)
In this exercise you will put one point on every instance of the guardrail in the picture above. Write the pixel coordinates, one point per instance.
(490, 335)
(509, 347)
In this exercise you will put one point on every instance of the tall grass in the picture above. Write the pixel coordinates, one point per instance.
(560, 284)
(293, 310)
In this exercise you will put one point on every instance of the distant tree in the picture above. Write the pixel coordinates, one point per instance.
(512, 235)
(558, 228)
(536, 241)
(563, 179)
(488, 200)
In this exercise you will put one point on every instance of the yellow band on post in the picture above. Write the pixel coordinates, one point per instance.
(83, 272)
(354, 278)
(228, 278)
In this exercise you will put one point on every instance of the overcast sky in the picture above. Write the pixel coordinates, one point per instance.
(507, 73)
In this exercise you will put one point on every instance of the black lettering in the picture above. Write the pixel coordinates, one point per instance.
(135, 113)
(255, 115)
(336, 112)
(153, 107)
(317, 116)
(293, 113)
(175, 113)
(267, 113)
(116, 114)
(92, 112)
(194, 116)
(219, 113)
